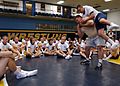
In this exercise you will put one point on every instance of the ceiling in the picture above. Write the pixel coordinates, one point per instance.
(113, 5)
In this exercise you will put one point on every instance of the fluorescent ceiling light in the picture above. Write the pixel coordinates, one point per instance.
(60, 2)
(107, 0)
(106, 10)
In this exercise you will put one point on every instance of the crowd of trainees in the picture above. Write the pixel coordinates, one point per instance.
(66, 48)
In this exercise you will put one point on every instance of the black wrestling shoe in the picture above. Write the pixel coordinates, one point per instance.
(86, 62)
(98, 67)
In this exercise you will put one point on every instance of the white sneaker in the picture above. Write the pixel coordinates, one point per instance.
(113, 26)
(115, 45)
(70, 56)
(30, 73)
(21, 75)
(67, 57)
(33, 56)
(24, 74)
(64, 55)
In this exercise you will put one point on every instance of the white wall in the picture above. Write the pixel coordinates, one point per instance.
(114, 17)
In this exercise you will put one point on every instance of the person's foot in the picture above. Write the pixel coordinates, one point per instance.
(67, 57)
(30, 73)
(113, 26)
(86, 62)
(99, 66)
(24, 74)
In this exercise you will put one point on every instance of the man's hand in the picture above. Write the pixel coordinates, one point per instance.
(83, 21)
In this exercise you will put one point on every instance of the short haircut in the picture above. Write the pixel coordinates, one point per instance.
(78, 6)
(78, 16)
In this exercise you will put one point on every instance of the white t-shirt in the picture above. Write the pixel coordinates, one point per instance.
(32, 47)
(18, 44)
(63, 47)
(50, 47)
(82, 45)
(7, 46)
(88, 10)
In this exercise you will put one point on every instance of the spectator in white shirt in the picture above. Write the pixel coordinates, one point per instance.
(31, 51)
(5, 46)
(63, 48)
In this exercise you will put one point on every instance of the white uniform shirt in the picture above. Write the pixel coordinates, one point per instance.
(63, 47)
(50, 47)
(32, 47)
(88, 10)
(18, 44)
(7, 46)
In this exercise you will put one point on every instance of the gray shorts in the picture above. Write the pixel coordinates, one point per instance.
(95, 41)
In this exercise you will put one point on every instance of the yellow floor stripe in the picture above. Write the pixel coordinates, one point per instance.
(3, 82)
(116, 61)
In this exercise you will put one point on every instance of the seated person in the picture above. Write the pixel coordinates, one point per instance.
(32, 51)
(43, 42)
(7, 60)
(5, 46)
(114, 54)
(50, 48)
(76, 47)
(17, 45)
(63, 49)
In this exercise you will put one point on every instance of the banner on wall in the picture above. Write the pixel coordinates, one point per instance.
(36, 34)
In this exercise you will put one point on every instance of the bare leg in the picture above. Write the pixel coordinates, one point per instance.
(102, 34)
(87, 52)
(100, 56)
(11, 65)
(3, 65)
(104, 21)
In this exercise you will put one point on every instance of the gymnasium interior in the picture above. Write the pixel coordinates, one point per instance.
(45, 20)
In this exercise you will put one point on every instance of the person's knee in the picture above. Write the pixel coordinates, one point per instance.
(87, 49)
(100, 48)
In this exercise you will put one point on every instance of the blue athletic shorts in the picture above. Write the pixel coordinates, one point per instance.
(97, 23)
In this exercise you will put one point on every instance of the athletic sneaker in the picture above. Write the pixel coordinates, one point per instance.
(113, 26)
(68, 57)
(21, 75)
(24, 74)
(30, 73)
(86, 62)
(98, 67)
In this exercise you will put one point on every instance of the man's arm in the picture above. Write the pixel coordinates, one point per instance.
(80, 33)
(6, 54)
(90, 17)
(89, 23)
(14, 51)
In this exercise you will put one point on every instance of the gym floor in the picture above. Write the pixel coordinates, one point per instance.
(55, 71)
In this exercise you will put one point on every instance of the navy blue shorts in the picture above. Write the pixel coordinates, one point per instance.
(97, 23)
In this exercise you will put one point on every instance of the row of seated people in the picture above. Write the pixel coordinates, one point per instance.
(31, 48)
(52, 15)
(10, 11)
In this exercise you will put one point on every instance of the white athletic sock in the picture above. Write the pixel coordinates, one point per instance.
(104, 55)
(111, 41)
(99, 62)
(87, 59)
(108, 57)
